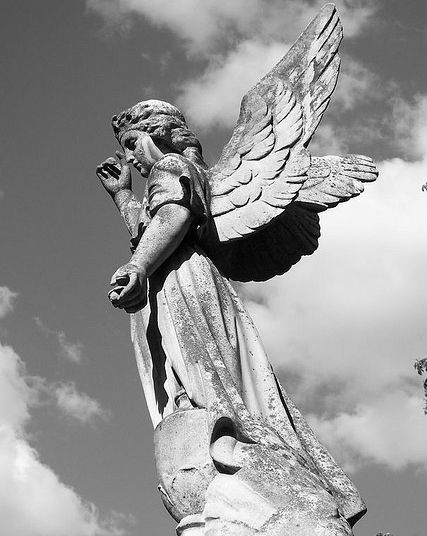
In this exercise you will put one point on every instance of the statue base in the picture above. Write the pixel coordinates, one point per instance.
(184, 465)
(269, 493)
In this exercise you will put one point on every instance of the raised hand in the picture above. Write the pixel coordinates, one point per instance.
(130, 292)
(114, 174)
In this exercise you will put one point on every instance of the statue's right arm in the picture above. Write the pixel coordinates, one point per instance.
(116, 178)
(166, 231)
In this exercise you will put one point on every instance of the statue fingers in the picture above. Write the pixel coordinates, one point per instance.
(102, 173)
(108, 161)
(133, 298)
(114, 295)
(121, 157)
(113, 170)
(108, 175)
(137, 306)
(130, 290)
(101, 168)
(121, 276)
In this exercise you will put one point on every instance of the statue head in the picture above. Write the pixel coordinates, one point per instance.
(162, 121)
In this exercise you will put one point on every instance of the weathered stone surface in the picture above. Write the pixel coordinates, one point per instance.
(234, 455)
(184, 465)
(264, 492)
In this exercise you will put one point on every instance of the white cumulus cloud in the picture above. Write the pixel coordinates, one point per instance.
(356, 83)
(7, 299)
(33, 500)
(73, 351)
(409, 122)
(214, 97)
(345, 326)
(78, 405)
(208, 25)
(389, 429)
(241, 41)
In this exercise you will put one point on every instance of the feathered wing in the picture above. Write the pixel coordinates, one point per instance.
(270, 251)
(266, 189)
(257, 183)
(334, 179)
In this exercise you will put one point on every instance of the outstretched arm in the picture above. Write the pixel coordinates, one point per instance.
(163, 235)
(116, 178)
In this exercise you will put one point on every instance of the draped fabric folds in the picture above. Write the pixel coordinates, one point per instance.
(195, 335)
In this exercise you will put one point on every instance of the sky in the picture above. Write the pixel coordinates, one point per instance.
(342, 328)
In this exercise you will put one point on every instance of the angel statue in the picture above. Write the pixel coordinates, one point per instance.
(234, 455)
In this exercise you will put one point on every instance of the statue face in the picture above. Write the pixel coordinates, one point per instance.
(140, 150)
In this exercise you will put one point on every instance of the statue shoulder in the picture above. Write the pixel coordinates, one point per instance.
(176, 179)
(173, 164)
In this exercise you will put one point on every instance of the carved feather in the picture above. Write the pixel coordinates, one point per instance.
(265, 161)
(266, 189)
(266, 149)
(274, 249)
(334, 179)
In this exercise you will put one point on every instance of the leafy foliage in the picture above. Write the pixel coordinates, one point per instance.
(420, 366)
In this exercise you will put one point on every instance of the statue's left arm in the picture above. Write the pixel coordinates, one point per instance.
(115, 177)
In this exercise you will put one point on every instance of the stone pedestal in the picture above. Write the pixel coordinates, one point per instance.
(271, 492)
(184, 465)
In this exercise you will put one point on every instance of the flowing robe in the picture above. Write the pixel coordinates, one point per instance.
(195, 335)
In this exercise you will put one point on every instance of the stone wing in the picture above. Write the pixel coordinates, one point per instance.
(334, 179)
(266, 162)
(274, 249)
(266, 189)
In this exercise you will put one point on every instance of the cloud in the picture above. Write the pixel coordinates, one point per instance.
(356, 83)
(211, 24)
(328, 139)
(409, 123)
(16, 394)
(241, 41)
(344, 327)
(386, 119)
(66, 396)
(7, 299)
(214, 98)
(72, 351)
(77, 405)
(33, 500)
(389, 429)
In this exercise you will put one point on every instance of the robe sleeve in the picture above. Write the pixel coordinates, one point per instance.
(138, 227)
(176, 180)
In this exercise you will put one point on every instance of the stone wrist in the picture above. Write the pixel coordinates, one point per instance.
(122, 197)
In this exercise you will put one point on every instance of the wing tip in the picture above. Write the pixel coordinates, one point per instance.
(328, 8)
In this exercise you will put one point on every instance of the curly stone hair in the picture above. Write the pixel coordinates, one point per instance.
(160, 120)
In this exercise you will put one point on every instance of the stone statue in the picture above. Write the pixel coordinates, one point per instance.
(234, 455)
